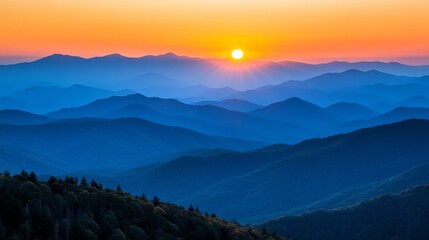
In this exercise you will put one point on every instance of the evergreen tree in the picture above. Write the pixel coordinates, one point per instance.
(156, 201)
(52, 180)
(94, 184)
(143, 197)
(32, 177)
(191, 208)
(83, 182)
(119, 189)
(24, 173)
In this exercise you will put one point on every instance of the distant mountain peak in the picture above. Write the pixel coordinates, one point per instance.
(226, 89)
(114, 55)
(295, 100)
(342, 104)
(350, 111)
(361, 72)
(293, 63)
(365, 62)
(58, 57)
(111, 57)
(345, 104)
(18, 117)
(235, 100)
(376, 72)
(353, 71)
(169, 54)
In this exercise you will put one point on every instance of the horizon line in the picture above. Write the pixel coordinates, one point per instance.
(30, 59)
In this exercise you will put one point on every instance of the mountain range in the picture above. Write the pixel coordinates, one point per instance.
(98, 143)
(297, 111)
(348, 86)
(232, 104)
(201, 118)
(309, 151)
(374, 89)
(267, 183)
(43, 99)
(289, 121)
(113, 71)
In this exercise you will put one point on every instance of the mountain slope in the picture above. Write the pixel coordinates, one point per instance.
(292, 177)
(398, 216)
(119, 143)
(113, 69)
(164, 179)
(416, 176)
(297, 111)
(396, 115)
(327, 88)
(402, 113)
(10, 103)
(350, 111)
(395, 68)
(395, 92)
(415, 101)
(40, 99)
(348, 80)
(326, 167)
(214, 94)
(174, 107)
(232, 104)
(63, 209)
(98, 71)
(15, 159)
(147, 113)
(22, 118)
(269, 131)
(269, 94)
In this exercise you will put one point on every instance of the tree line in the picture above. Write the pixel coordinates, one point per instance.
(73, 208)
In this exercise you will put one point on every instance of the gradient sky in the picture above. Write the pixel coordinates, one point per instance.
(301, 30)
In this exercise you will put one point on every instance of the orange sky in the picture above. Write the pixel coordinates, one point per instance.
(301, 30)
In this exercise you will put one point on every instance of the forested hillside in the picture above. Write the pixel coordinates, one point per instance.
(396, 216)
(256, 186)
(73, 209)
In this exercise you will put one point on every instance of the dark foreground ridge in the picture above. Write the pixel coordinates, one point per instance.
(392, 216)
(69, 209)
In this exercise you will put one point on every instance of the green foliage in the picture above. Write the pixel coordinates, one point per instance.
(65, 209)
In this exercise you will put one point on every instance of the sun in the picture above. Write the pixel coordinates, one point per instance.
(237, 54)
